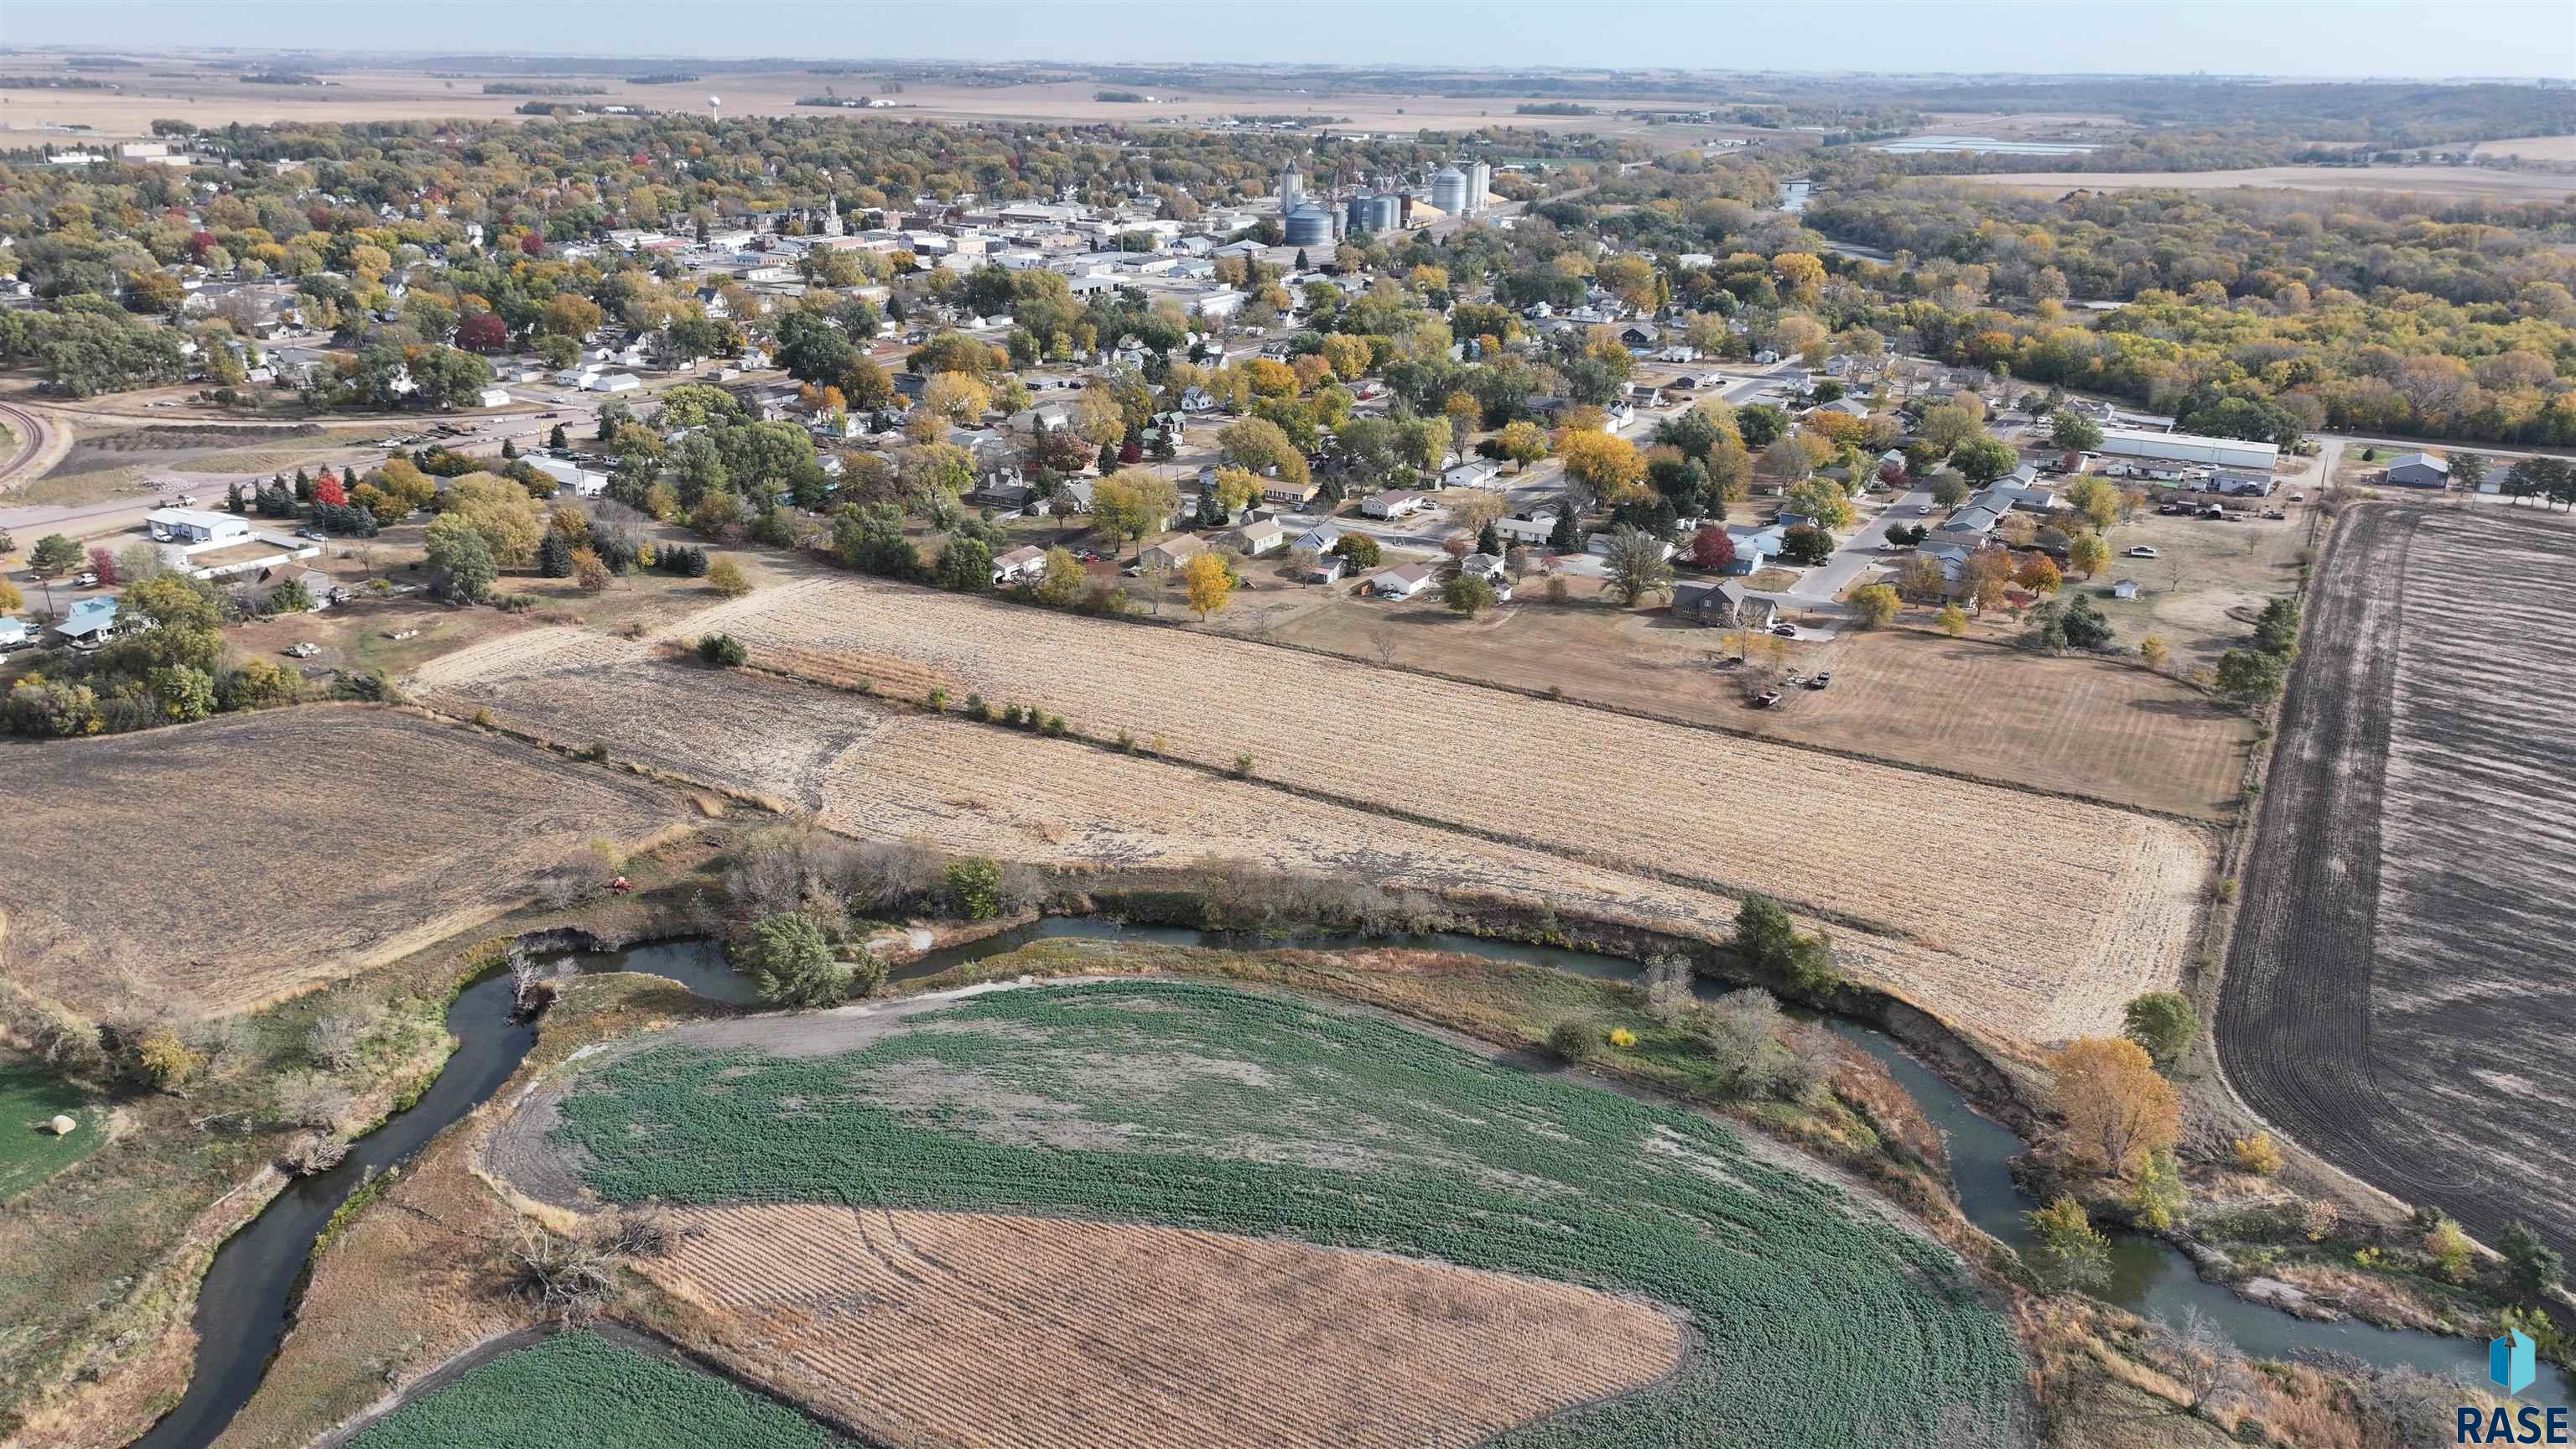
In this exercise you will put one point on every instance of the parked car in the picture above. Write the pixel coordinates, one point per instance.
(2296, 497)
(2141, 550)
(304, 650)
(1785, 631)
(2274, 513)
(1823, 678)
(1766, 699)
(85, 579)
(308, 531)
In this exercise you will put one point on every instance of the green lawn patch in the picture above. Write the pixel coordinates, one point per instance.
(1203, 1106)
(31, 1096)
(580, 1391)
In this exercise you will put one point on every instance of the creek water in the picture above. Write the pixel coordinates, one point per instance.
(250, 1288)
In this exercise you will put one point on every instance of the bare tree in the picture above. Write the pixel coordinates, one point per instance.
(337, 1039)
(1667, 985)
(2198, 1356)
(1383, 640)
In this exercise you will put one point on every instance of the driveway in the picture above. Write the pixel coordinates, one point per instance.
(1820, 588)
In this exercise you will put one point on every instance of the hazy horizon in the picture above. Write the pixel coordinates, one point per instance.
(2305, 39)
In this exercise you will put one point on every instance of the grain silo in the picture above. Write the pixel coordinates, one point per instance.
(1480, 180)
(1449, 191)
(1383, 211)
(1292, 190)
(1309, 226)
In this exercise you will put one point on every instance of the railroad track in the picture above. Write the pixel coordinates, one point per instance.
(29, 430)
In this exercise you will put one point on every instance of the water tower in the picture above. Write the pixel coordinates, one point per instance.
(715, 109)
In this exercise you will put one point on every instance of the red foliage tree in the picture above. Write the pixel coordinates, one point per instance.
(327, 489)
(200, 243)
(103, 564)
(483, 332)
(1128, 452)
(1712, 548)
(531, 243)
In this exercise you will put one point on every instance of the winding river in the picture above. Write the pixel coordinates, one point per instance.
(243, 1306)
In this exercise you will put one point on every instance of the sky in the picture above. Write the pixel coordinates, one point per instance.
(2403, 38)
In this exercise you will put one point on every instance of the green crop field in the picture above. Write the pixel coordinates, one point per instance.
(1207, 1107)
(30, 1097)
(579, 1391)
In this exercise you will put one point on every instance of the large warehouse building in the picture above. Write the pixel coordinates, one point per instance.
(2189, 448)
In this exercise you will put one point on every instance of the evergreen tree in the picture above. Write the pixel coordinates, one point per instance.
(1488, 540)
(235, 501)
(1108, 463)
(509, 449)
(303, 487)
(556, 439)
(1301, 259)
(1565, 537)
(554, 555)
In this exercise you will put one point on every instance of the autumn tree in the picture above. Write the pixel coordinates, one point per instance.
(1259, 445)
(2068, 1252)
(2039, 575)
(1989, 577)
(2088, 553)
(1952, 620)
(2162, 1022)
(1131, 503)
(2098, 499)
(2116, 1108)
(1523, 442)
(1713, 548)
(1637, 563)
(1875, 605)
(959, 397)
(2155, 651)
(1207, 583)
(1605, 466)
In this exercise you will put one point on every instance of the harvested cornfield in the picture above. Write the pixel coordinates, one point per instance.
(906, 775)
(211, 867)
(1814, 1319)
(575, 687)
(2034, 892)
(1113, 1334)
(2402, 986)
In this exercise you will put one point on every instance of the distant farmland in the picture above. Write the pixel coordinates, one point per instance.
(2448, 183)
(2402, 990)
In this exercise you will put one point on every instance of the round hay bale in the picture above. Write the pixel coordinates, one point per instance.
(62, 1126)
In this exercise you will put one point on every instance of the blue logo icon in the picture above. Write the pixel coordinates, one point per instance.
(2510, 1362)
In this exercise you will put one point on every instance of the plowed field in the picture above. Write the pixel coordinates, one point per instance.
(2402, 990)
(1108, 1335)
(220, 865)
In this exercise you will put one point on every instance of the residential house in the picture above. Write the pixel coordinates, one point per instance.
(89, 623)
(1724, 605)
(1172, 552)
(1327, 568)
(1477, 473)
(1260, 536)
(1073, 497)
(1320, 538)
(1529, 532)
(1279, 492)
(1401, 582)
(1394, 503)
(613, 382)
(1482, 566)
(1019, 565)
(584, 482)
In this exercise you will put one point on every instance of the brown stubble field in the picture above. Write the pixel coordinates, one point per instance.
(1624, 819)
(2402, 986)
(214, 867)
(987, 1331)
(2089, 727)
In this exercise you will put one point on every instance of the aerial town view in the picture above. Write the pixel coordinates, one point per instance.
(1133, 725)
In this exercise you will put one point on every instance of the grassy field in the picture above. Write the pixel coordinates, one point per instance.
(577, 1391)
(2402, 975)
(1821, 1322)
(30, 1097)
(2079, 725)
(214, 866)
(2444, 183)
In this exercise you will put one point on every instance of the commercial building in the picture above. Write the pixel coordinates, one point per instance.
(2188, 448)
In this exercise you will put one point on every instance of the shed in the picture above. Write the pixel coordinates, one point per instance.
(1172, 552)
(1401, 582)
(2418, 470)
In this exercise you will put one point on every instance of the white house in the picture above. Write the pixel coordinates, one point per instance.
(1529, 532)
(613, 382)
(1401, 582)
(494, 397)
(1262, 536)
(584, 482)
(1319, 539)
(1476, 473)
(1394, 503)
(1019, 565)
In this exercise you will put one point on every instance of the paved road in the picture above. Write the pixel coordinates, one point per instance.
(1820, 587)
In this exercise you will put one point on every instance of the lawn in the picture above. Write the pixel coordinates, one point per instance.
(1162, 1102)
(578, 1391)
(30, 1097)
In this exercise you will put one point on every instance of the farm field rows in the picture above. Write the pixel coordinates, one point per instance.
(1815, 1320)
(776, 743)
(2437, 181)
(580, 1391)
(2078, 725)
(2401, 991)
(1961, 869)
(1121, 1334)
(981, 789)
(282, 849)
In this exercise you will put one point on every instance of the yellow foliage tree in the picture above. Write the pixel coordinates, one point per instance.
(957, 396)
(1208, 583)
(2117, 1109)
(1605, 465)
